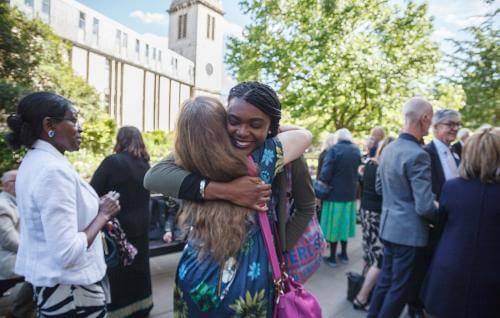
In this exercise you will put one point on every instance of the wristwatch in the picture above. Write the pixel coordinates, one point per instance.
(203, 185)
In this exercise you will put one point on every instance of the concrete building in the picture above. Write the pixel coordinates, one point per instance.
(142, 79)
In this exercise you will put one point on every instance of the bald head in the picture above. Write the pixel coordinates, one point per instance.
(415, 108)
(418, 116)
(378, 133)
(9, 182)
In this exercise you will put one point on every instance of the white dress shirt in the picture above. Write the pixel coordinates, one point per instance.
(447, 159)
(55, 205)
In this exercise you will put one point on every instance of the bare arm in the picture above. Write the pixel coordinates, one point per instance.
(294, 142)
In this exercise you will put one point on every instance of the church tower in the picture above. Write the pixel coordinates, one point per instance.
(195, 32)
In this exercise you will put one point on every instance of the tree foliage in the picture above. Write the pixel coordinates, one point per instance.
(33, 58)
(337, 63)
(476, 62)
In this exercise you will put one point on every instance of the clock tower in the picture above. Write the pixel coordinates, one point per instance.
(195, 31)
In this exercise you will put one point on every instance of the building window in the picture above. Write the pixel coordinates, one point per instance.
(45, 6)
(154, 53)
(125, 40)
(210, 27)
(159, 55)
(81, 21)
(182, 26)
(95, 30)
(118, 39)
(137, 46)
(29, 3)
(147, 51)
(173, 62)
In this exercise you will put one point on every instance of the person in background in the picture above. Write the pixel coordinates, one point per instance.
(378, 134)
(123, 171)
(330, 141)
(462, 136)
(371, 207)
(404, 181)
(463, 279)
(60, 250)
(338, 214)
(23, 305)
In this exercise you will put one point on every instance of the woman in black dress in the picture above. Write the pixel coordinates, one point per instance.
(124, 172)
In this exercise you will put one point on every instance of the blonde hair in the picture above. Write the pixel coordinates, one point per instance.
(203, 146)
(481, 156)
(386, 141)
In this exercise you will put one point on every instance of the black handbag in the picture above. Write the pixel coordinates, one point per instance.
(354, 283)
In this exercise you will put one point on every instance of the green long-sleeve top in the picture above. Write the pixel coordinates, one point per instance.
(171, 180)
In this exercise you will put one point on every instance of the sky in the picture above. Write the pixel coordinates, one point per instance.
(150, 16)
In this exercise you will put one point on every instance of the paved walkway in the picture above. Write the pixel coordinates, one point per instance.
(328, 284)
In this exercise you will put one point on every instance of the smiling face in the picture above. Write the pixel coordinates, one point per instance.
(247, 125)
(68, 132)
(446, 131)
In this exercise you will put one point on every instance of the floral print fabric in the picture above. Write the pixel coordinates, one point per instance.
(242, 287)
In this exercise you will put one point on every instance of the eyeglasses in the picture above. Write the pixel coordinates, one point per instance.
(452, 124)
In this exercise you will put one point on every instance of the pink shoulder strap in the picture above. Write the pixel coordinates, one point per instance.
(266, 229)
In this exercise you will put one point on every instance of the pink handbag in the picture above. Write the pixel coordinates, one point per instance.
(292, 300)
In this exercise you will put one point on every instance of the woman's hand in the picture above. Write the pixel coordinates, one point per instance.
(250, 192)
(167, 237)
(109, 205)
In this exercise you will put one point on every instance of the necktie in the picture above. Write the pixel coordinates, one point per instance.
(452, 165)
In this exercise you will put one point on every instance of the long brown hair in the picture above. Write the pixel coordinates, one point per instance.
(203, 146)
(129, 139)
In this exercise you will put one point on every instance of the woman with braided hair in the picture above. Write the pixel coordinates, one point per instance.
(224, 268)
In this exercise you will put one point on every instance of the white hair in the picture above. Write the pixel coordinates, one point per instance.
(343, 134)
(330, 140)
(462, 133)
(8, 175)
(414, 109)
(443, 115)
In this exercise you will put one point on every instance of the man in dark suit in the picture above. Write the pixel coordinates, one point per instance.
(444, 166)
(462, 136)
(404, 181)
(444, 162)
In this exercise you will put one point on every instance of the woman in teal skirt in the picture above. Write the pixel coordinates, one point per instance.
(339, 172)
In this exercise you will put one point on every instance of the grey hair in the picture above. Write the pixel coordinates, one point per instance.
(6, 175)
(443, 115)
(462, 133)
(414, 109)
(343, 134)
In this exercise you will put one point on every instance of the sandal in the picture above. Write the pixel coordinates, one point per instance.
(358, 305)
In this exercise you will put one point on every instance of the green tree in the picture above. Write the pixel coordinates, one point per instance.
(33, 58)
(337, 63)
(476, 62)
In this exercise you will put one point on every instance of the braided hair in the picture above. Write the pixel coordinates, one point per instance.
(261, 96)
(26, 123)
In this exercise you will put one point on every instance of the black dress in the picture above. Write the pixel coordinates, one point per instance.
(131, 294)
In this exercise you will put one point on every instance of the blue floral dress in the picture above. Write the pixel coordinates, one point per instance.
(243, 287)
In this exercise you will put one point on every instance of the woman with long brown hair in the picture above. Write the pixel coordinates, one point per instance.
(123, 172)
(224, 269)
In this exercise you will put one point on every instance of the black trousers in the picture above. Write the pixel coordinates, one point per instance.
(396, 282)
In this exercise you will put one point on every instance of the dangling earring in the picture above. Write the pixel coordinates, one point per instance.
(52, 133)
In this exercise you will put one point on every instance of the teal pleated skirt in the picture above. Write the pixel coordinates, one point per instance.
(338, 220)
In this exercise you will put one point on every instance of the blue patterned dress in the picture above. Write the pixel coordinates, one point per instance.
(243, 287)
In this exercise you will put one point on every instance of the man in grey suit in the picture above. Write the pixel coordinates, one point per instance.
(404, 180)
